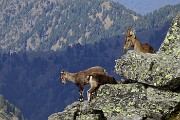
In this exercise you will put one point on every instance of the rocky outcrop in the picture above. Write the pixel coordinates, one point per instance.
(159, 73)
(78, 111)
(159, 70)
(136, 101)
(153, 94)
(124, 102)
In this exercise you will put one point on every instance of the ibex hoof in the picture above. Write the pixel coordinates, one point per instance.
(81, 99)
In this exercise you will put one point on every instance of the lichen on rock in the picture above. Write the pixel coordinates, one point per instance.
(136, 100)
(161, 69)
(159, 72)
(153, 95)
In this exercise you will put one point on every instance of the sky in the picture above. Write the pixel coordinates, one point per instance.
(146, 6)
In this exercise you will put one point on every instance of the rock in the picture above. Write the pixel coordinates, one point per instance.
(161, 69)
(124, 102)
(78, 111)
(171, 43)
(91, 115)
(67, 114)
(153, 93)
(151, 69)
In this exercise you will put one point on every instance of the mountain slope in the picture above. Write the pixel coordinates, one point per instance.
(31, 80)
(54, 25)
(159, 17)
(8, 111)
(152, 94)
(146, 6)
(40, 25)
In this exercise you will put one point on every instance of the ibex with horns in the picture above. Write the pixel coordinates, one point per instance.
(132, 41)
(79, 78)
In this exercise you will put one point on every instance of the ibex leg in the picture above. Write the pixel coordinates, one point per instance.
(89, 93)
(81, 91)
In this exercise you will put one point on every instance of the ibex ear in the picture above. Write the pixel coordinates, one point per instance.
(132, 33)
(128, 31)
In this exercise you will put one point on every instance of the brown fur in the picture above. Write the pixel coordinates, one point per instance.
(96, 80)
(132, 41)
(79, 78)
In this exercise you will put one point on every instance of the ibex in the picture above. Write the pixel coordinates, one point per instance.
(132, 41)
(79, 78)
(96, 80)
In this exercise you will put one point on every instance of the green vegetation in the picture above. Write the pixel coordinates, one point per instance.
(32, 79)
(47, 25)
(8, 110)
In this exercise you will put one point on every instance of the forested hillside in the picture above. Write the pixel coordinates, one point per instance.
(8, 111)
(41, 25)
(146, 6)
(31, 80)
(159, 17)
(40, 38)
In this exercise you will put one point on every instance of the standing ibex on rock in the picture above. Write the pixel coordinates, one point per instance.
(96, 80)
(79, 78)
(132, 41)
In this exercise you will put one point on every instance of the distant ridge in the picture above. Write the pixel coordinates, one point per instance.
(55, 25)
(146, 6)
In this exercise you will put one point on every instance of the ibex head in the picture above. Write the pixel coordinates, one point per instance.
(63, 77)
(130, 35)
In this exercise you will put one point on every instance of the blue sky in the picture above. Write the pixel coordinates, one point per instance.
(146, 6)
